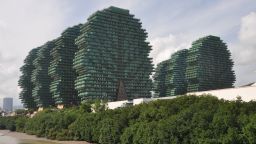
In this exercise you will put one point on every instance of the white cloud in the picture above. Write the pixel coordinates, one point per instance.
(2, 24)
(25, 25)
(163, 47)
(248, 29)
(244, 51)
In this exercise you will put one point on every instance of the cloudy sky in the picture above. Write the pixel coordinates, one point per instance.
(171, 25)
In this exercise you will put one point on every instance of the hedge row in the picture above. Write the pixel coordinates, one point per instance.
(187, 119)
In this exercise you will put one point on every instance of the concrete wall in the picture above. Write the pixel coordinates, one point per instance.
(163, 98)
(246, 93)
(117, 104)
(141, 100)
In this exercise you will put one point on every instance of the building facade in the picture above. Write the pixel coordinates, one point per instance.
(112, 61)
(169, 77)
(105, 58)
(25, 82)
(8, 104)
(160, 79)
(209, 65)
(61, 68)
(40, 78)
(176, 74)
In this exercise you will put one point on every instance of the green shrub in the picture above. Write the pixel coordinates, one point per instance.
(186, 119)
(20, 123)
(8, 123)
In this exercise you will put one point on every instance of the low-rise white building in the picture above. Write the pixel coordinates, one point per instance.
(118, 104)
(141, 100)
(246, 93)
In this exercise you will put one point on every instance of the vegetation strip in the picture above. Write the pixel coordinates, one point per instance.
(186, 119)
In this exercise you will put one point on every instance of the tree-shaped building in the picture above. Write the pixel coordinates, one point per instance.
(169, 77)
(113, 61)
(25, 80)
(176, 73)
(160, 79)
(209, 65)
(61, 68)
(40, 77)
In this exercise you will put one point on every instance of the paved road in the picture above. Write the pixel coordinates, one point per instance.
(8, 140)
(7, 137)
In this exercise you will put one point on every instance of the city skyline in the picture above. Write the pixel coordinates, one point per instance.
(171, 27)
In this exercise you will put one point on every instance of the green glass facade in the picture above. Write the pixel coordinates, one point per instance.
(205, 66)
(25, 80)
(112, 49)
(61, 68)
(176, 77)
(40, 78)
(169, 77)
(209, 65)
(160, 79)
(108, 58)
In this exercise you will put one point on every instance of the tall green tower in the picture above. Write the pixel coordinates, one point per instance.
(61, 68)
(113, 61)
(25, 80)
(169, 77)
(160, 79)
(209, 65)
(176, 73)
(40, 77)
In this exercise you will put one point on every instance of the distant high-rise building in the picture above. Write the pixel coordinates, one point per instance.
(7, 104)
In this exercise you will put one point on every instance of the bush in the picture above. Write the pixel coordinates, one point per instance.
(8, 123)
(186, 119)
(20, 123)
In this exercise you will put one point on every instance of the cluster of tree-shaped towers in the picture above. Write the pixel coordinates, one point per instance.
(108, 58)
(207, 65)
(105, 58)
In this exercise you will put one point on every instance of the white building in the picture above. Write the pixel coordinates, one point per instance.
(119, 104)
(125, 103)
(247, 93)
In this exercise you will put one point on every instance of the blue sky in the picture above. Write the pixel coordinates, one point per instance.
(171, 25)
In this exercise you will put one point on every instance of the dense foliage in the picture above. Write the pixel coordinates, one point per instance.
(8, 123)
(186, 119)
